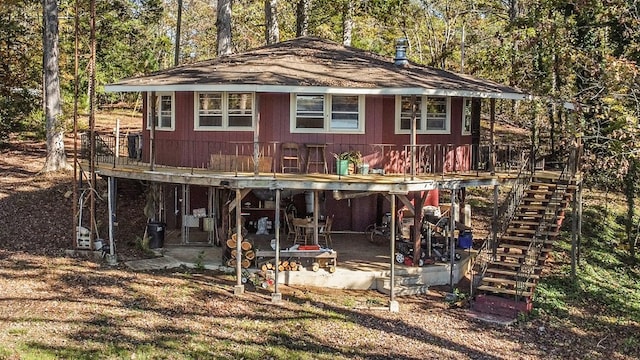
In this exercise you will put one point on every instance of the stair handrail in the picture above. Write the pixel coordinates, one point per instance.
(506, 211)
(541, 236)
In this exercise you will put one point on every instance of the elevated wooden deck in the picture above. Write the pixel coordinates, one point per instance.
(395, 183)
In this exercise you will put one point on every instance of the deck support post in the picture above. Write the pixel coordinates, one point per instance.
(184, 230)
(211, 203)
(452, 240)
(419, 200)
(276, 297)
(239, 288)
(111, 189)
(393, 303)
(316, 214)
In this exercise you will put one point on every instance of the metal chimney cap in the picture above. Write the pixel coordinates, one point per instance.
(401, 52)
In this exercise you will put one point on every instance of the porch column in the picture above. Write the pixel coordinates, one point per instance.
(152, 132)
(256, 139)
(276, 297)
(393, 304)
(413, 136)
(492, 140)
(239, 288)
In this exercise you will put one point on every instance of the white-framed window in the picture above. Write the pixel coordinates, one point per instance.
(433, 114)
(466, 116)
(327, 112)
(224, 111)
(165, 113)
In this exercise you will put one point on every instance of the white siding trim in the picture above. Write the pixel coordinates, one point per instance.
(318, 90)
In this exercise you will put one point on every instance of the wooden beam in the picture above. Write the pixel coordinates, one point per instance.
(243, 193)
(407, 203)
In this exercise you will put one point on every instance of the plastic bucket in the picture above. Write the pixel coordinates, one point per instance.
(342, 167)
(465, 240)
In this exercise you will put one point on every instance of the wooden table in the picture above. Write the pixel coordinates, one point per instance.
(306, 228)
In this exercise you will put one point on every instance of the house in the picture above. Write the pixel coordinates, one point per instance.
(216, 114)
(245, 131)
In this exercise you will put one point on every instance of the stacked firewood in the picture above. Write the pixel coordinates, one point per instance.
(231, 252)
(283, 265)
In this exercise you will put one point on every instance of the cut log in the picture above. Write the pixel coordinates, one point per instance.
(245, 245)
(231, 263)
(231, 243)
(234, 253)
(245, 263)
(250, 255)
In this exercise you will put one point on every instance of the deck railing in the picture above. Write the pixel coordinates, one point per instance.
(392, 159)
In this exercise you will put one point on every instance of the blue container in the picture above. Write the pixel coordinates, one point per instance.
(465, 240)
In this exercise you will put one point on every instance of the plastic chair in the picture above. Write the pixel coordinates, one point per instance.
(290, 157)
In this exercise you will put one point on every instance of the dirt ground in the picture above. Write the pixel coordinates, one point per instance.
(65, 307)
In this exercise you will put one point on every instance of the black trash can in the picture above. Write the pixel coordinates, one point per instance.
(155, 231)
(133, 144)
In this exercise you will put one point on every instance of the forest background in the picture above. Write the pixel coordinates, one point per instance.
(577, 54)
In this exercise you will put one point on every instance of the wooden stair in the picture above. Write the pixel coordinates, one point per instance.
(520, 256)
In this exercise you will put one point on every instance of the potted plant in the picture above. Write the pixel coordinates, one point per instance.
(347, 162)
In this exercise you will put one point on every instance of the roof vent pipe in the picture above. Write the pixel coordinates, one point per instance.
(401, 53)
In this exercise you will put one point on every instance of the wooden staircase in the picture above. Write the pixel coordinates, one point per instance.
(509, 278)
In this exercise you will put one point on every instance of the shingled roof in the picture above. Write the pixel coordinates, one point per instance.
(309, 64)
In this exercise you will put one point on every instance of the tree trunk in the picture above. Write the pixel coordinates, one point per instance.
(347, 23)
(272, 31)
(302, 17)
(631, 189)
(56, 157)
(223, 24)
(176, 58)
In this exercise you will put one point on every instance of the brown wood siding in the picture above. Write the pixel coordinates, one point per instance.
(188, 147)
